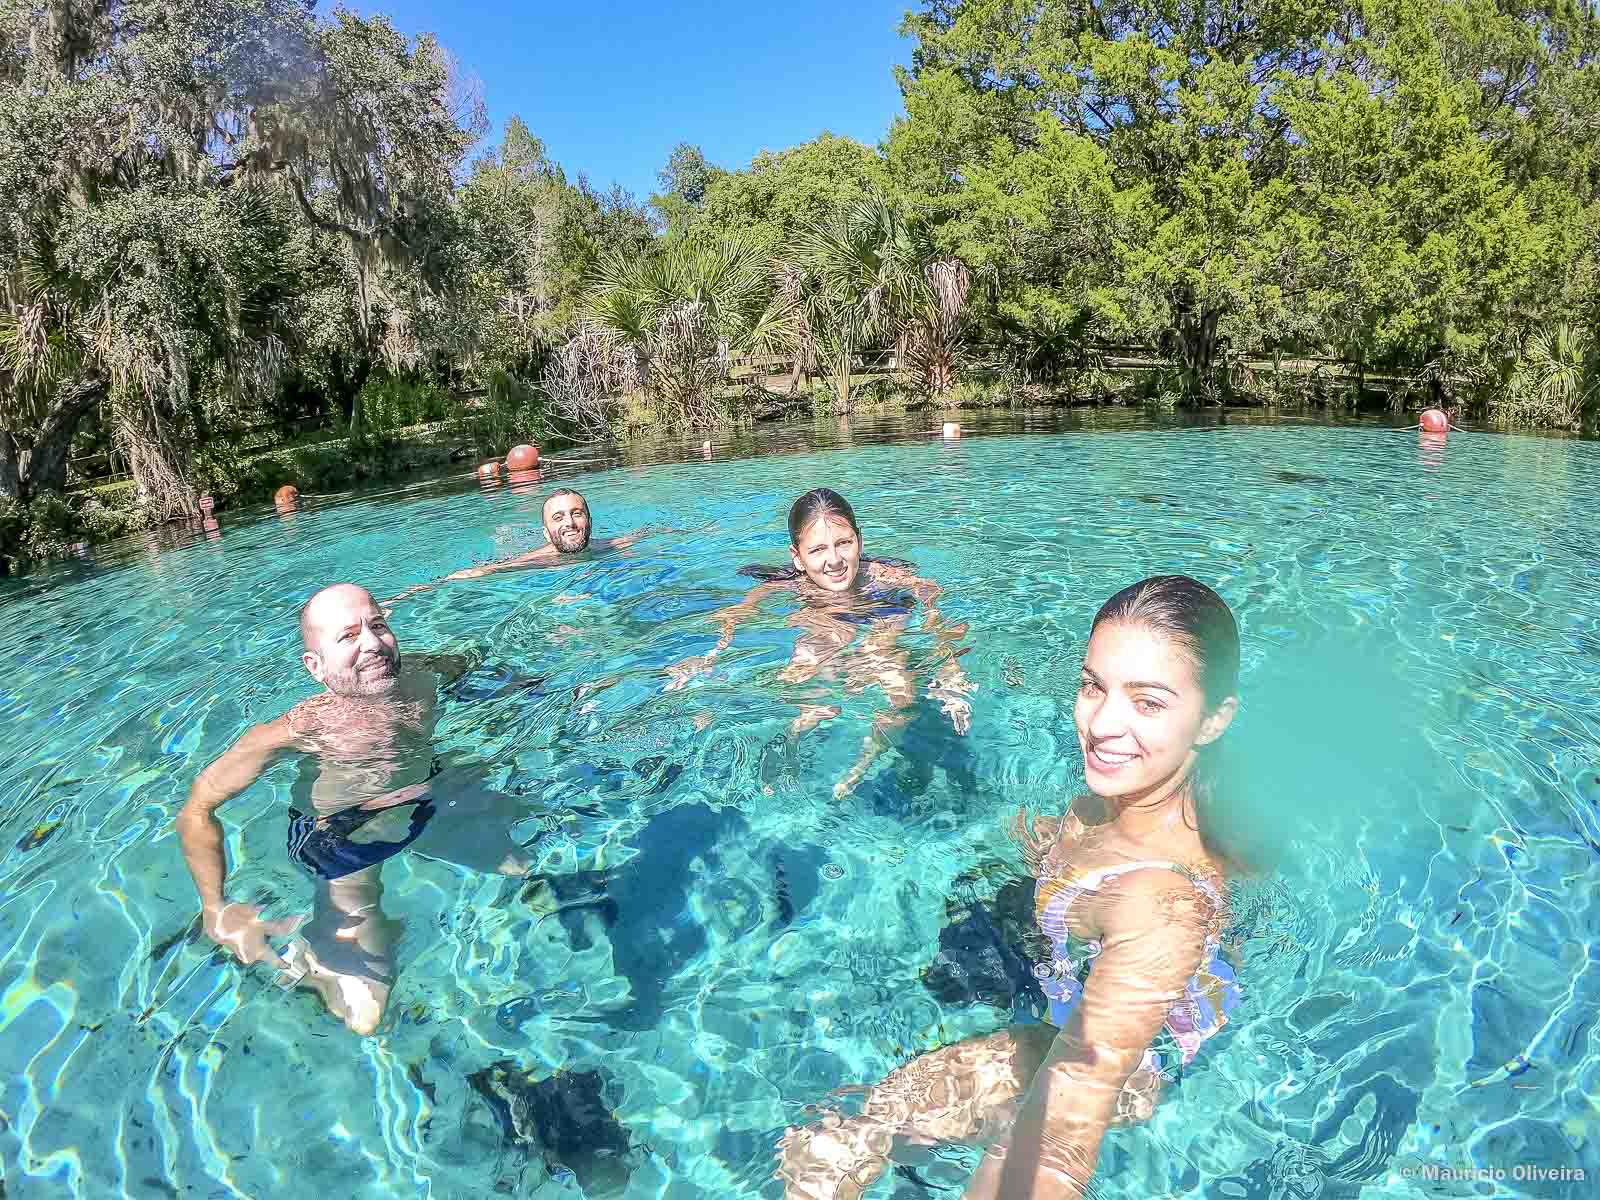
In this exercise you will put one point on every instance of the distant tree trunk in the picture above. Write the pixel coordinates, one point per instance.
(10, 471)
(841, 377)
(941, 369)
(25, 472)
(1195, 329)
(352, 372)
(804, 364)
(160, 457)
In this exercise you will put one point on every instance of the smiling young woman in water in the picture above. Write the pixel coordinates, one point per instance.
(847, 595)
(1132, 900)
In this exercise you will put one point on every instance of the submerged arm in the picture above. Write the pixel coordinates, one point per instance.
(533, 558)
(200, 834)
(627, 539)
(950, 685)
(623, 541)
(1153, 941)
(927, 594)
(729, 619)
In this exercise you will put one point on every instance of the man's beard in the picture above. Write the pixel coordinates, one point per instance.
(369, 680)
(570, 541)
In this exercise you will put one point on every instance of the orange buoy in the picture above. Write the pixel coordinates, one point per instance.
(952, 429)
(522, 458)
(286, 496)
(492, 467)
(1435, 420)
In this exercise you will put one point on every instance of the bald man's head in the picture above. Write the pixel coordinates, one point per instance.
(349, 647)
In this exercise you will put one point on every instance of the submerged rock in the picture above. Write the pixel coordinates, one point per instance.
(984, 953)
(564, 1118)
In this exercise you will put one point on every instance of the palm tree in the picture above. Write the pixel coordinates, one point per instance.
(668, 325)
(1558, 375)
(849, 280)
(930, 340)
(873, 274)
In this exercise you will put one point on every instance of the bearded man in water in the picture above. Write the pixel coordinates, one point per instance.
(365, 791)
(567, 529)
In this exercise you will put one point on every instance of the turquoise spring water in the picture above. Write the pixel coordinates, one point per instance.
(721, 944)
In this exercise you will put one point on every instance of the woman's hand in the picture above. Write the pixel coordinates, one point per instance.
(682, 672)
(950, 686)
(1036, 839)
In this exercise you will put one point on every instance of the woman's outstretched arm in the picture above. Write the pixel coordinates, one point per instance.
(950, 685)
(1154, 924)
(729, 619)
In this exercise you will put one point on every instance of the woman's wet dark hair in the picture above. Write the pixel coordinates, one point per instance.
(1190, 614)
(1200, 623)
(818, 502)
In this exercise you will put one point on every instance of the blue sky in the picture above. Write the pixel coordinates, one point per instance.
(613, 87)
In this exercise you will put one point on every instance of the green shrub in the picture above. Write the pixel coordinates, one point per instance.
(50, 525)
(511, 412)
(12, 519)
(221, 468)
(388, 404)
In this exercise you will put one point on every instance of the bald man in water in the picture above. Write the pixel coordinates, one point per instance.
(364, 747)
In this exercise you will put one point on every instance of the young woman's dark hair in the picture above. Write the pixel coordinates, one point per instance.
(1200, 624)
(818, 502)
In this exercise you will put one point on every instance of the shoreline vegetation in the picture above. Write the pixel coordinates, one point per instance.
(249, 244)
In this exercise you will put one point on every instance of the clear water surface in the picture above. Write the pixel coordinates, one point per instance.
(719, 944)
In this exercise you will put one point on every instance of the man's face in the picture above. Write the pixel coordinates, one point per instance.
(350, 648)
(566, 523)
(829, 553)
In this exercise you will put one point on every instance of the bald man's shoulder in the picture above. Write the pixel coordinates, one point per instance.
(304, 718)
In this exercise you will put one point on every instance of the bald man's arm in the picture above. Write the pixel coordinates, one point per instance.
(199, 831)
(238, 927)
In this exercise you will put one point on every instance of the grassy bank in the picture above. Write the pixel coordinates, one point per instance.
(53, 525)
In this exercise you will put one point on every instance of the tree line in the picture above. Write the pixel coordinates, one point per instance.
(237, 214)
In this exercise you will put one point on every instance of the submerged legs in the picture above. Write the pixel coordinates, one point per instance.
(343, 954)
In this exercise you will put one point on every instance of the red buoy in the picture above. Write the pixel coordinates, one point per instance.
(522, 458)
(492, 467)
(286, 496)
(1435, 420)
